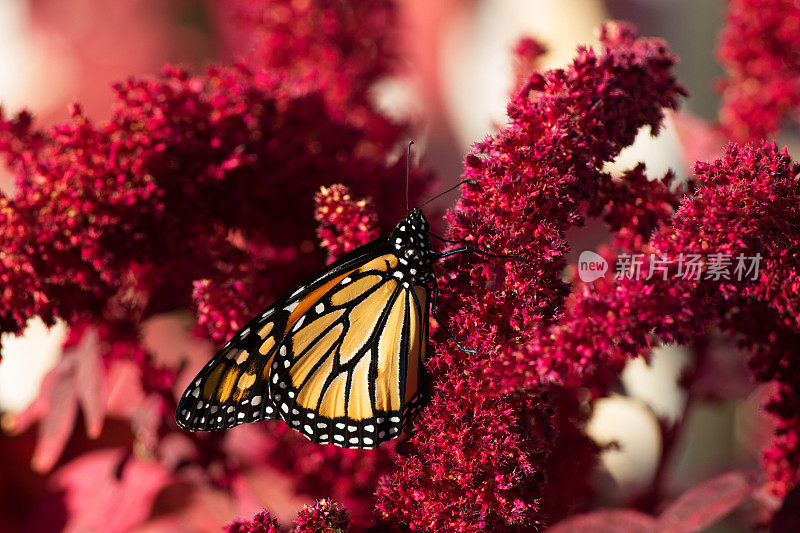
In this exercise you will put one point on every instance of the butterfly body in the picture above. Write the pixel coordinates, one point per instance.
(340, 359)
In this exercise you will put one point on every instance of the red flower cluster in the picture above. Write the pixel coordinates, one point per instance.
(478, 457)
(344, 224)
(106, 217)
(744, 204)
(747, 203)
(204, 191)
(760, 49)
(324, 516)
(341, 51)
(261, 523)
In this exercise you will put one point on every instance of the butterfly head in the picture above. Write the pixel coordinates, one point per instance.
(413, 246)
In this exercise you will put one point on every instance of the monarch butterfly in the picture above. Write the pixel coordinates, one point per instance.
(341, 358)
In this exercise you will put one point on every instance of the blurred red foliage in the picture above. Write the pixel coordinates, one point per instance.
(760, 50)
(209, 192)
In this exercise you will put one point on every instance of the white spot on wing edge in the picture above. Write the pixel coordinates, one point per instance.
(291, 306)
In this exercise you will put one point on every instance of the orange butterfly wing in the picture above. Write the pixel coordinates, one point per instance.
(348, 346)
(349, 370)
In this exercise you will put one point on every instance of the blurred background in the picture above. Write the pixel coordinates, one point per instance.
(454, 83)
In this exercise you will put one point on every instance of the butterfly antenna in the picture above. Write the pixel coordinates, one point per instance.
(408, 166)
(456, 186)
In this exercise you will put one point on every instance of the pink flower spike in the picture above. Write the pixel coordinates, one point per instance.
(344, 223)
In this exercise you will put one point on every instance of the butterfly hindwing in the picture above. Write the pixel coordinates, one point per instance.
(231, 389)
(349, 371)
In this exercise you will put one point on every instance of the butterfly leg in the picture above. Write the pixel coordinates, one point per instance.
(467, 248)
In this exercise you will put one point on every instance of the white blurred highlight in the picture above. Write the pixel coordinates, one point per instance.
(660, 154)
(656, 384)
(27, 57)
(477, 59)
(25, 361)
(631, 464)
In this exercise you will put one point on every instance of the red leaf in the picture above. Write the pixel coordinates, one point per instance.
(57, 423)
(607, 521)
(108, 491)
(706, 503)
(90, 382)
(78, 378)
